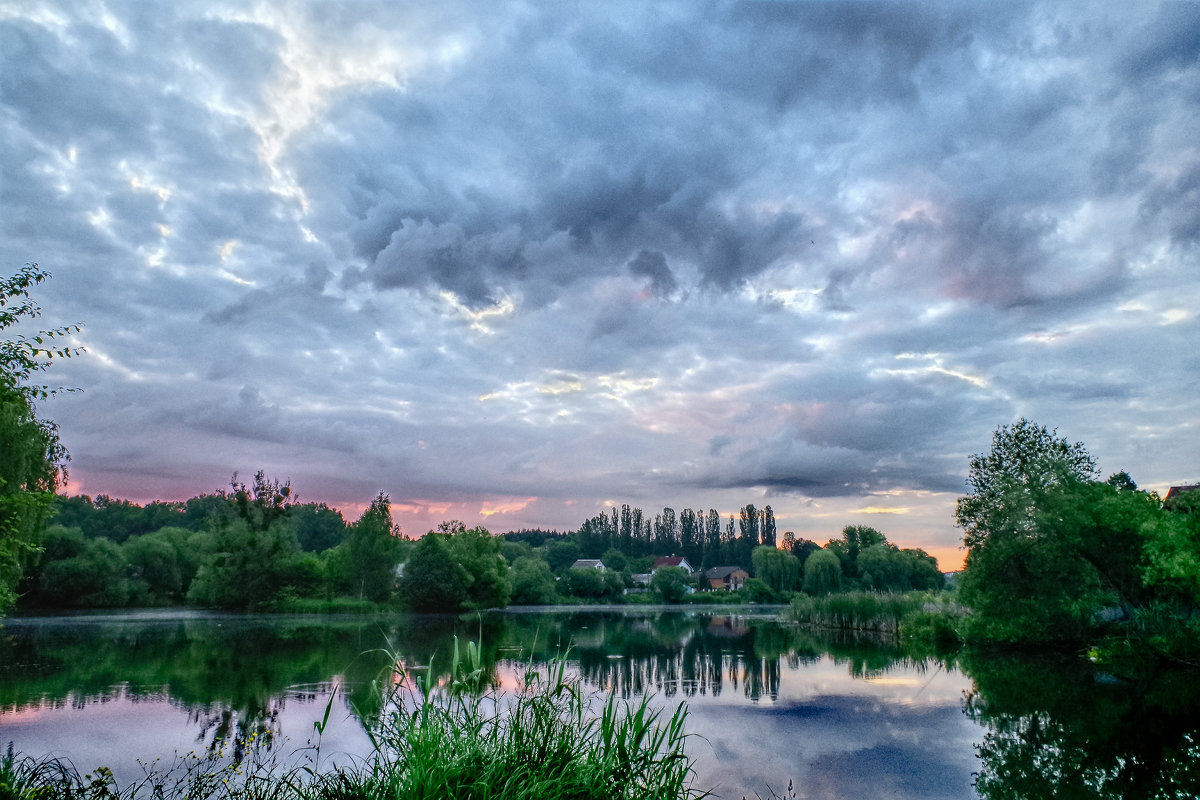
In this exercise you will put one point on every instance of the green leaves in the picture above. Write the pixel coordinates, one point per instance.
(22, 357)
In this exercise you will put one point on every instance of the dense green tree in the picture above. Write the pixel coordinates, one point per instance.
(433, 580)
(373, 550)
(854, 539)
(691, 538)
(590, 584)
(775, 568)
(767, 530)
(95, 578)
(561, 555)
(318, 527)
(532, 582)
(1106, 525)
(881, 567)
(1048, 544)
(615, 560)
(923, 571)
(822, 573)
(1172, 550)
(478, 552)
(246, 567)
(756, 590)
(516, 550)
(155, 574)
(1007, 482)
(670, 583)
(799, 547)
(712, 539)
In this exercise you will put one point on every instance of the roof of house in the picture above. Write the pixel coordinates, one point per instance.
(1176, 490)
(669, 561)
(588, 563)
(721, 573)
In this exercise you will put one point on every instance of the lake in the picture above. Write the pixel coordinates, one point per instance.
(769, 703)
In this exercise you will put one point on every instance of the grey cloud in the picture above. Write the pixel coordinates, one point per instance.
(653, 265)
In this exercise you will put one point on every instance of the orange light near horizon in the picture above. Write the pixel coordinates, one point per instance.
(950, 559)
(489, 508)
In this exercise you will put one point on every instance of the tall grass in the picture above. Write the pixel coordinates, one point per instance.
(459, 738)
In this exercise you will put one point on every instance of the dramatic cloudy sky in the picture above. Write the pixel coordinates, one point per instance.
(510, 262)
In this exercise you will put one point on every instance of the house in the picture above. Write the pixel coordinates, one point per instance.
(1175, 491)
(730, 578)
(641, 583)
(589, 563)
(672, 561)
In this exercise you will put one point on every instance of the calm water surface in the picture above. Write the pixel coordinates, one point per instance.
(770, 703)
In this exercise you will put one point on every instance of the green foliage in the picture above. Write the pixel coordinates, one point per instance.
(777, 569)
(532, 582)
(24, 356)
(433, 579)
(246, 567)
(756, 590)
(1050, 546)
(590, 584)
(31, 458)
(513, 551)
(372, 552)
(560, 555)
(317, 526)
(1027, 590)
(92, 578)
(855, 539)
(478, 553)
(1007, 482)
(154, 570)
(615, 560)
(1171, 541)
(822, 573)
(670, 583)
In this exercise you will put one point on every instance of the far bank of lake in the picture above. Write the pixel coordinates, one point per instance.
(770, 703)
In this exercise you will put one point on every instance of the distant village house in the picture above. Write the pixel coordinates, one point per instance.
(672, 561)
(730, 578)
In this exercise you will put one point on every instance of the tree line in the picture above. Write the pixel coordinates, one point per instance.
(256, 546)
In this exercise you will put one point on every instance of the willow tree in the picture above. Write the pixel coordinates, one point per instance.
(32, 460)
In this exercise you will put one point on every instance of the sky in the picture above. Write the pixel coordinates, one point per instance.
(513, 263)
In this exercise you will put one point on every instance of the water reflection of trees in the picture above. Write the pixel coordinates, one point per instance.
(670, 653)
(235, 675)
(1057, 729)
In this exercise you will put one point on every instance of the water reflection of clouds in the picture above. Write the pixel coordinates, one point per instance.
(836, 736)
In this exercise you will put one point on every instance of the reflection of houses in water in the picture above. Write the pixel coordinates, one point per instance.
(704, 661)
(730, 627)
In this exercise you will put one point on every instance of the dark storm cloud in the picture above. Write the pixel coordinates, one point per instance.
(653, 265)
(594, 251)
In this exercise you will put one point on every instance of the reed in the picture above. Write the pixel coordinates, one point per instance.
(923, 614)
